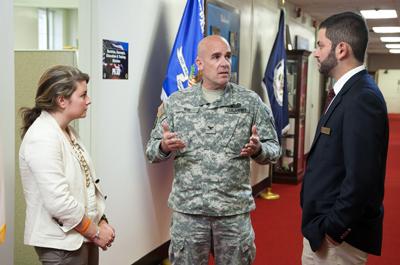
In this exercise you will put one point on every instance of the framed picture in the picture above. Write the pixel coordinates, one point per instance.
(224, 20)
(115, 59)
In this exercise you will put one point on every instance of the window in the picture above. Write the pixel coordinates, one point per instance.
(50, 23)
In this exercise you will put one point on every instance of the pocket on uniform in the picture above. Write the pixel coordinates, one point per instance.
(186, 122)
(176, 251)
(238, 132)
(248, 249)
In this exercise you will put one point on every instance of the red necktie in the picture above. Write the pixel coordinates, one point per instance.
(329, 97)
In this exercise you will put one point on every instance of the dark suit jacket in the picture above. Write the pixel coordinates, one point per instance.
(342, 190)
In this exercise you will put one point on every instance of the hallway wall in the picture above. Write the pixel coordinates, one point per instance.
(7, 117)
(123, 111)
(389, 82)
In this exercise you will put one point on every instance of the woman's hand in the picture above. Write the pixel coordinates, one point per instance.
(105, 237)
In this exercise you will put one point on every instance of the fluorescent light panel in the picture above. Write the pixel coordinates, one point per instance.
(394, 50)
(390, 39)
(393, 46)
(386, 29)
(379, 14)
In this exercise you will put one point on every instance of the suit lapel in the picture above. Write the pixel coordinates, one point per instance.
(335, 103)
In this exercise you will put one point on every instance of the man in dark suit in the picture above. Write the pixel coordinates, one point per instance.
(343, 186)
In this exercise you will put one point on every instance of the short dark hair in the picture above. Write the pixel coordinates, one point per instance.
(347, 27)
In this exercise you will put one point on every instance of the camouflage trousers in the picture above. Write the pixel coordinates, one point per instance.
(194, 237)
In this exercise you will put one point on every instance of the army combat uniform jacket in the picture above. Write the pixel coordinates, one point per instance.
(211, 178)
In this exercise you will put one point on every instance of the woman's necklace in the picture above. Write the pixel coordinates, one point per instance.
(82, 161)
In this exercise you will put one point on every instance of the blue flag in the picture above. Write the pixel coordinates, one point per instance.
(275, 80)
(181, 65)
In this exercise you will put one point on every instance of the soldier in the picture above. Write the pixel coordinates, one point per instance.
(213, 129)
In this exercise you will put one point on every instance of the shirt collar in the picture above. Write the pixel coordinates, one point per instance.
(340, 83)
(224, 100)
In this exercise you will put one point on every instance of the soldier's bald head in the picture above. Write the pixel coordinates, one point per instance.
(206, 43)
(214, 62)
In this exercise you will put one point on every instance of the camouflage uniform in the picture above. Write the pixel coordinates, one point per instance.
(230, 237)
(211, 178)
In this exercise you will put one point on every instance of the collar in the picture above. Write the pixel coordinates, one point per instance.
(340, 83)
(47, 115)
(224, 100)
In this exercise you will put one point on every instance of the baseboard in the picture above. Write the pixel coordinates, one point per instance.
(261, 186)
(156, 256)
(394, 116)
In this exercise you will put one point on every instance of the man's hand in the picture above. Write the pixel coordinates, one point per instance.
(253, 146)
(331, 240)
(170, 141)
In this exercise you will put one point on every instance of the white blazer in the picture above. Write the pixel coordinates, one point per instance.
(54, 186)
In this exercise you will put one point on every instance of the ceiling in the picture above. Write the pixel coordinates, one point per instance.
(321, 9)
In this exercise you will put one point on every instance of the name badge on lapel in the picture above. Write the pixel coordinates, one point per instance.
(326, 130)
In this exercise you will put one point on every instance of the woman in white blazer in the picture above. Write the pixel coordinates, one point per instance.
(65, 219)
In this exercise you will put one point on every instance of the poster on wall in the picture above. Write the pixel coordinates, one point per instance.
(115, 59)
(224, 20)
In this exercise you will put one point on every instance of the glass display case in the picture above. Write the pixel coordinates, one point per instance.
(290, 167)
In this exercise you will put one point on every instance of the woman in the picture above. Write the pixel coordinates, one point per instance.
(65, 219)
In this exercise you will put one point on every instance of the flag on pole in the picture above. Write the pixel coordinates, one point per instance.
(274, 80)
(181, 66)
(2, 204)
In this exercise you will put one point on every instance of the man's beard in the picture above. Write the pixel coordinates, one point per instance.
(328, 64)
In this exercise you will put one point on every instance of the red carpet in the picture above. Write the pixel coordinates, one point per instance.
(277, 223)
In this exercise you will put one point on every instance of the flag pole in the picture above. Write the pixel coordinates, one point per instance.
(166, 262)
(268, 194)
(272, 82)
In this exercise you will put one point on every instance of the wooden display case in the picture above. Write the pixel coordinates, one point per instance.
(290, 167)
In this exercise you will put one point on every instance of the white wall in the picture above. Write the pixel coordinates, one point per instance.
(71, 28)
(7, 124)
(122, 116)
(389, 83)
(123, 111)
(313, 103)
(26, 25)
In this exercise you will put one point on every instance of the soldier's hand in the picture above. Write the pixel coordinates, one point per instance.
(253, 146)
(170, 141)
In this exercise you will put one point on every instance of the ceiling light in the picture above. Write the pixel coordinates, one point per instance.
(390, 39)
(394, 50)
(378, 14)
(393, 46)
(386, 29)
